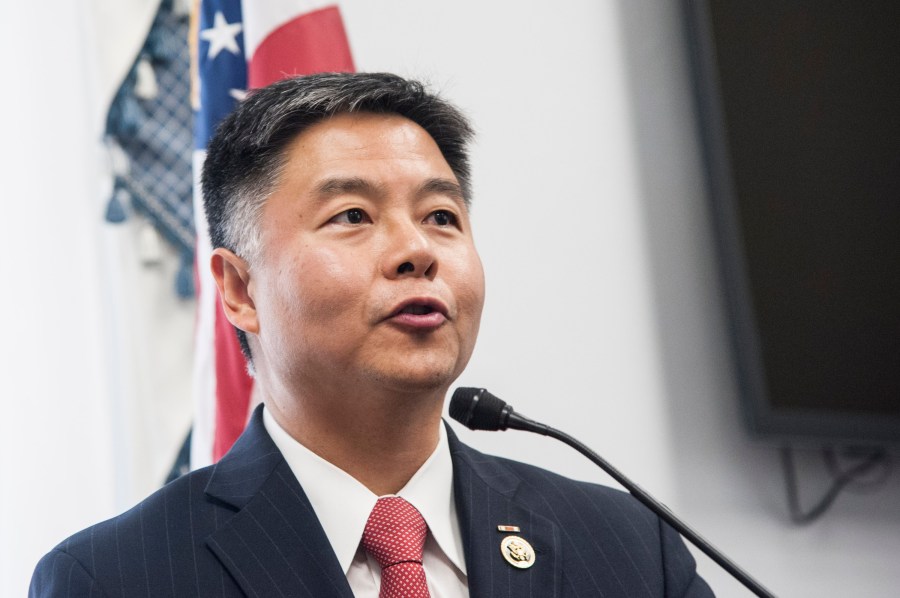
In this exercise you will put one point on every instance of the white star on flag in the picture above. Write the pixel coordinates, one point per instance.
(239, 94)
(222, 36)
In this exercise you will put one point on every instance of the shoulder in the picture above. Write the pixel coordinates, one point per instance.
(602, 532)
(583, 512)
(175, 503)
(587, 511)
(158, 547)
(557, 496)
(164, 527)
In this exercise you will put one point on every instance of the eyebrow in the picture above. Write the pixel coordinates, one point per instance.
(351, 185)
(443, 187)
(359, 186)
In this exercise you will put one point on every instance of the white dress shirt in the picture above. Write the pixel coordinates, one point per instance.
(343, 505)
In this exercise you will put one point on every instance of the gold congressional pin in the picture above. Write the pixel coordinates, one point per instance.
(510, 529)
(517, 552)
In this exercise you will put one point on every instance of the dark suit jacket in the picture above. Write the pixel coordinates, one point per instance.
(244, 527)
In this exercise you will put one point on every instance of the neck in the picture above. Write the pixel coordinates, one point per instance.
(379, 440)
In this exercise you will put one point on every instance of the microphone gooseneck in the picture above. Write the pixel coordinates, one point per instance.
(478, 409)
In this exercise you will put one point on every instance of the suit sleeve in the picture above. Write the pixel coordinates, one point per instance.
(60, 575)
(679, 567)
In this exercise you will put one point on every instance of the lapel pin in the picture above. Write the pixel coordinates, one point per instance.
(510, 529)
(517, 552)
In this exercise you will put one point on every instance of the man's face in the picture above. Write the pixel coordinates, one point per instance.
(368, 273)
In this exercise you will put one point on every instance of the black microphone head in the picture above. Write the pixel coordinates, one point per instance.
(478, 409)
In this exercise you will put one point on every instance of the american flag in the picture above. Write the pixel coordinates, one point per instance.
(240, 46)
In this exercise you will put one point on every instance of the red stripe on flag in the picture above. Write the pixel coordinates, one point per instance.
(312, 43)
(233, 386)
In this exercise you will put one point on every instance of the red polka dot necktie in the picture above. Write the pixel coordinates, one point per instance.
(395, 536)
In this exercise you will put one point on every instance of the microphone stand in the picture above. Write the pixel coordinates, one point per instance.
(480, 410)
(654, 505)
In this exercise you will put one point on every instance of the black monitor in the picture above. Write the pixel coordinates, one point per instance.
(799, 109)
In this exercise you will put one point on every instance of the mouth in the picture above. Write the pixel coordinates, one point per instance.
(420, 306)
(420, 313)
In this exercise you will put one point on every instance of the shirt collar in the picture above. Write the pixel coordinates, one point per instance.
(430, 490)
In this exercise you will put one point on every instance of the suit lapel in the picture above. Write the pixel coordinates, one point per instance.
(485, 497)
(274, 545)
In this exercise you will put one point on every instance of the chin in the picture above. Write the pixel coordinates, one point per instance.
(423, 380)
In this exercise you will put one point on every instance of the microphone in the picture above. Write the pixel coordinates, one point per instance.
(478, 409)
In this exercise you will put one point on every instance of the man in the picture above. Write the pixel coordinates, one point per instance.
(338, 209)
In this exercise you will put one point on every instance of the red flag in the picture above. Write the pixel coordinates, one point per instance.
(313, 42)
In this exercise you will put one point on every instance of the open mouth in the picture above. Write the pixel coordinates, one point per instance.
(420, 313)
(417, 309)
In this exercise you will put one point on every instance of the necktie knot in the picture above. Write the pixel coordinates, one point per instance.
(395, 532)
(395, 537)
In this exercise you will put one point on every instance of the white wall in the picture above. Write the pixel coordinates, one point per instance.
(604, 315)
(96, 348)
(56, 448)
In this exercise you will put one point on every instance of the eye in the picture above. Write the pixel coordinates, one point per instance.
(443, 218)
(351, 216)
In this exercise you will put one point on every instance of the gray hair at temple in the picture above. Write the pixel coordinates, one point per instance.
(246, 156)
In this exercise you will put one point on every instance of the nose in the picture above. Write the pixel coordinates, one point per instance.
(409, 252)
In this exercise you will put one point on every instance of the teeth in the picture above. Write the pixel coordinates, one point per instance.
(417, 310)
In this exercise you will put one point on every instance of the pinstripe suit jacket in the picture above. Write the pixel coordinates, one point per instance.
(244, 527)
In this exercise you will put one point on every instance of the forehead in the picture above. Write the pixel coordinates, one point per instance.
(357, 138)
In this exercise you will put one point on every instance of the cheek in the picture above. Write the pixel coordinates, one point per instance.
(470, 290)
(317, 287)
(310, 308)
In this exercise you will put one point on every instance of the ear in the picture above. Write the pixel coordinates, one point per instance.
(232, 275)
